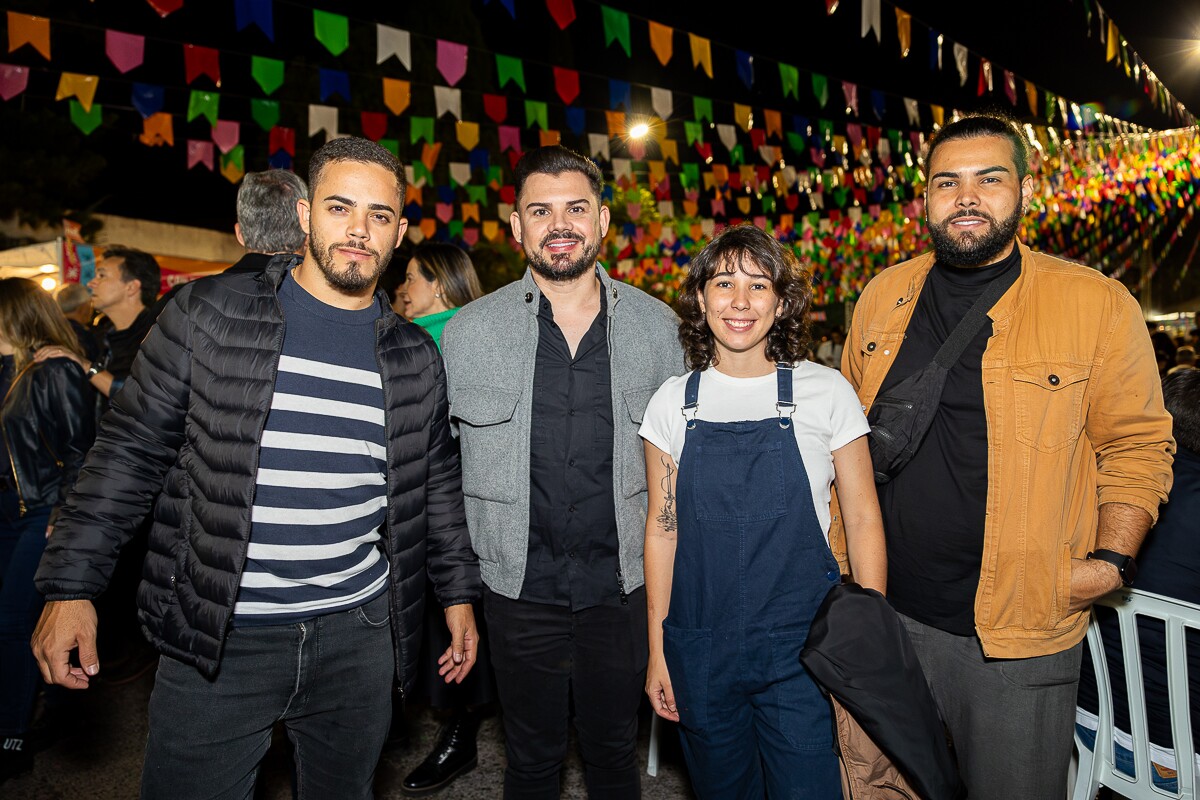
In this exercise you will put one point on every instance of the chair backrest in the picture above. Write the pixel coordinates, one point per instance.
(1177, 616)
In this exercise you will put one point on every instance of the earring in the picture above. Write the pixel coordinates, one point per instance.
(437, 295)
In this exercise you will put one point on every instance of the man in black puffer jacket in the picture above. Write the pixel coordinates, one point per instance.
(295, 434)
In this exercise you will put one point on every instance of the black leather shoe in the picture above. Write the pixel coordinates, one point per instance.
(454, 754)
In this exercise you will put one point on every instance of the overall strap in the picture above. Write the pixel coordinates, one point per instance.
(691, 399)
(783, 403)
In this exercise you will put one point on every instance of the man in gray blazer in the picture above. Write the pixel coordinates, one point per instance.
(548, 379)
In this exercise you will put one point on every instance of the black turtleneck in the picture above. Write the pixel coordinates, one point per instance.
(933, 511)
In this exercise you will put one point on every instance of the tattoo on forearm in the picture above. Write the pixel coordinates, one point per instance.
(666, 518)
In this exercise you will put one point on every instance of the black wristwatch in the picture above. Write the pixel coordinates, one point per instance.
(1126, 566)
(94, 369)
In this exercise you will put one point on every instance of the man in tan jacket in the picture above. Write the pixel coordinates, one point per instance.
(1042, 470)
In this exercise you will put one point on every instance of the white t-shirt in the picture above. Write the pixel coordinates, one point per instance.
(828, 416)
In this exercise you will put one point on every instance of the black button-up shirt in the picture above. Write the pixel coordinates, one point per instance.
(574, 556)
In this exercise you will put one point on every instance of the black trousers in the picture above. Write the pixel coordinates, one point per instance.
(547, 658)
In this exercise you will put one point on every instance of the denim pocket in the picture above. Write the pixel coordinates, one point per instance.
(374, 614)
(802, 712)
(688, 652)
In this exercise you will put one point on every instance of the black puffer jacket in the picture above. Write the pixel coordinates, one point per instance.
(185, 429)
(47, 427)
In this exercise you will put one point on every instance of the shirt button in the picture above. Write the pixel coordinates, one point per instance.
(571, 413)
(571, 509)
(870, 347)
(887, 352)
(832, 575)
(571, 463)
(1054, 380)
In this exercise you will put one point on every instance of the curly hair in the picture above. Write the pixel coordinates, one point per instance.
(739, 247)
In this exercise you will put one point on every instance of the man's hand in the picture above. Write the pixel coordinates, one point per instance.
(64, 626)
(55, 351)
(459, 657)
(1091, 579)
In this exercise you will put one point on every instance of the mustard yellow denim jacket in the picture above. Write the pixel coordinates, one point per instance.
(1075, 419)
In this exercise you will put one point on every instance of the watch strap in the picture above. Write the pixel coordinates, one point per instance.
(1126, 566)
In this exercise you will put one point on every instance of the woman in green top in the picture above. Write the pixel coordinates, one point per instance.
(440, 280)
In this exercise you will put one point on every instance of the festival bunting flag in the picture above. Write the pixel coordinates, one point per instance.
(13, 80)
(563, 13)
(165, 8)
(451, 61)
(147, 98)
(447, 100)
(256, 12)
(331, 30)
(662, 41)
(225, 134)
(265, 113)
(396, 95)
(87, 120)
(268, 72)
(616, 28)
(199, 61)
(374, 124)
(393, 42)
(200, 153)
(83, 87)
(24, 29)
(701, 53)
(158, 130)
(566, 84)
(662, 102)
(509, 68)
(203, 104)
(745, 67)
(125, 50)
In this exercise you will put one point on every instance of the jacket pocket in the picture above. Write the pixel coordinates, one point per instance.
(1049, 403)
(633, 479)
(489, 440)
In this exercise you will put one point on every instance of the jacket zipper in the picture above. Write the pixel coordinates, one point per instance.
(16, 480)
(278, 344)
(49, 449)
(621, 587)
(21, 508)
(390, 544)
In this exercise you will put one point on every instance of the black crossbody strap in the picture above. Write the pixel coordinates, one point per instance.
(952, 349)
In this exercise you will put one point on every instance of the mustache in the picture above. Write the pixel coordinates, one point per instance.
(352, 246)
(575, 237)
(966, 213)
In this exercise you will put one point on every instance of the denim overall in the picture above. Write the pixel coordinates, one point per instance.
(751, 568)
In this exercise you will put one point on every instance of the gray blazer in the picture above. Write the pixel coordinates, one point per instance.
(490, 348)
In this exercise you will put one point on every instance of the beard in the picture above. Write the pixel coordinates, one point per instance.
(971, 249)
(354, 278)
(562, 267)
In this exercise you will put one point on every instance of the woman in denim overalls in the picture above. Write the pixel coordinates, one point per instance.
(739, 457)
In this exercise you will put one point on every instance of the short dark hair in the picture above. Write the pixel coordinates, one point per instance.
(555, 160)
(1181, 394)
(266, 211)
(979, 125)
(448, 265)
(362, 151)
(140, 266)
(787, 341)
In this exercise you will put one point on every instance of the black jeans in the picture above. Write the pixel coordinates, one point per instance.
(546, 658)
(328, 679)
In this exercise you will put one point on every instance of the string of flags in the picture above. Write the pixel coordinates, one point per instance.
(728, 161)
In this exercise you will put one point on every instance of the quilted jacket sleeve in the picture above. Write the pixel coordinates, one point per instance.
(140, 437)
(453, 566)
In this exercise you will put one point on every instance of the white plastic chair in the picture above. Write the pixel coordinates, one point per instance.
(1097, 767)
